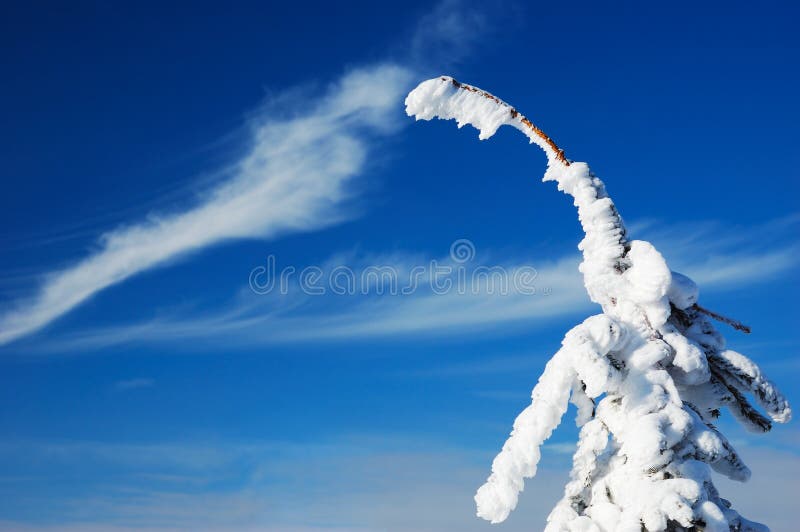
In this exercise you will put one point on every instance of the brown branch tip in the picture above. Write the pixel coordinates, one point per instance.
(514, 114)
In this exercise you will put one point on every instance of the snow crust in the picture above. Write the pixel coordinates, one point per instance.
(648, 376)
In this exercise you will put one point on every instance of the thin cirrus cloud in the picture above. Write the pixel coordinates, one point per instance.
(297, 317)
(717, 259)
(717, 256)
(296, 176)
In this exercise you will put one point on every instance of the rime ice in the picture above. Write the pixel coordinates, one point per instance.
(648, 376)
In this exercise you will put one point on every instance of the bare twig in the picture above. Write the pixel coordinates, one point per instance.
(739, 326)
(514, 114)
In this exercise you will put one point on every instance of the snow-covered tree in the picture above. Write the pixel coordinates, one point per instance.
(648, 376)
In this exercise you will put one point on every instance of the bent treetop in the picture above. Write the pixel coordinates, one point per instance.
(648, 376)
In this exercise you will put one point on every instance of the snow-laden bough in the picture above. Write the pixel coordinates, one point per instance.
(648, 376)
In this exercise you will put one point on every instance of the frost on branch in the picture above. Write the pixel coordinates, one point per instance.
(648, 376)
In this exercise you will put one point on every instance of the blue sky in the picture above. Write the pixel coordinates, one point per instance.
(155, 157)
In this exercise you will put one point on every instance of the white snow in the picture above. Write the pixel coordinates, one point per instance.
(655, 364)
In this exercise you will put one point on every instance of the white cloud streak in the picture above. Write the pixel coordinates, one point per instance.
(300, 318)
(296, 177)
(718, 256)
(724, 259)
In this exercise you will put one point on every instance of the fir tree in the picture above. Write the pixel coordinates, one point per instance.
(648, 376)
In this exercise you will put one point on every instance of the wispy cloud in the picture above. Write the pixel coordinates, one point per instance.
(300, 318)
(296, 176)
(450, 32)
(716, 257)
